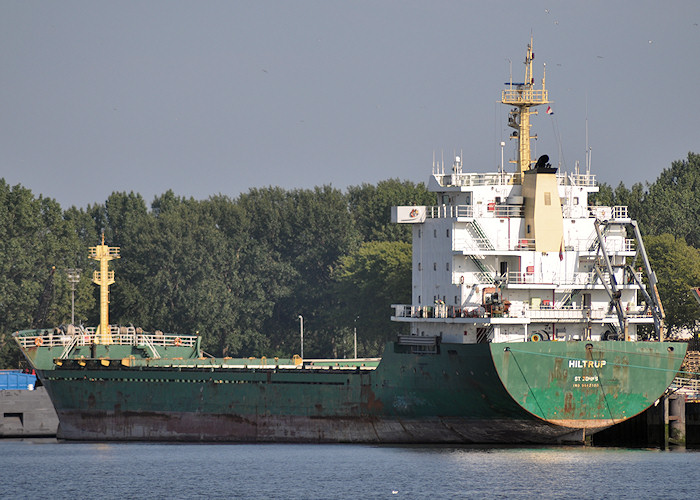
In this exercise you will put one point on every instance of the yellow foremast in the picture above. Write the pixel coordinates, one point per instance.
(524, 96)
(104, 277)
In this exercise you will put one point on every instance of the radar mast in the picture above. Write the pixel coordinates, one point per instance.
(523, 96)
(104, 277)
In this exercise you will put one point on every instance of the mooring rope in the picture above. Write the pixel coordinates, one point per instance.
(605, 396)
(544, 415)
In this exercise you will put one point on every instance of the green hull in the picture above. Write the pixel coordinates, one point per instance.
(534, 392)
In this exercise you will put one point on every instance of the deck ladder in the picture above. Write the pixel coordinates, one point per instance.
(487, 273)
(481, 239)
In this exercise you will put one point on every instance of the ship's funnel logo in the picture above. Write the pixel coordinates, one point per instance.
(408, 215)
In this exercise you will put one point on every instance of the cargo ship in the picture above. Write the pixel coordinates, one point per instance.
(522, 328)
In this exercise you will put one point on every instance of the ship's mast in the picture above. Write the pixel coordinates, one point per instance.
(104, 277)
(524, 96)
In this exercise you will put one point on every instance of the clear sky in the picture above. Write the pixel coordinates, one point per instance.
(209, 97)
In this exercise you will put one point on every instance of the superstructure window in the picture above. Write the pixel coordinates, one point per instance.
(434, 233)
(547, 198)
(447, 266)
(434, 266)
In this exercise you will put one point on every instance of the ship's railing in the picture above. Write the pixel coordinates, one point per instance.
(566, 179)
(616, 212)
(516, 94)
(474, 179)
(538, 278)
(575, 211)
(501, 179)
(619, 212)
(564, 313)
(500, 211)
(533, 277)
(526, 312)
(612, 245)
(505, 211)
(543, 313)
(46, 338)
(87, 336)
(523, 244)
(449, 211)
(436, 311)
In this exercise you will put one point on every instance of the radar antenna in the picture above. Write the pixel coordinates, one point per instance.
(522, 97)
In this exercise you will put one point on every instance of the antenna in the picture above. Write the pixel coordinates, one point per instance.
(588, 168)
(522, 97)
(588, 148)
(502, 169)
(544, 74)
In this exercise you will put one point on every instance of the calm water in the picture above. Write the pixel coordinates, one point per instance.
(46, 469)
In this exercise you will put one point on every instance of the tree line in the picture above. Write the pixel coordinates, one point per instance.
(240, 271)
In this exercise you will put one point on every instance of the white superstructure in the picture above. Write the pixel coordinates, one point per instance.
(522, 256)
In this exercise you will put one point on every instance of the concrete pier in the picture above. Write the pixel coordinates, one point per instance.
(27, 413)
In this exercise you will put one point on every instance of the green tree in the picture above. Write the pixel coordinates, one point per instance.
(34, 238)
(256, 279)
(633, 199)
(677, 267)
(86, 299)
(370, 207)
(368, 281)
(308, 231)
(605, 196)
(125, 222)
(190, 266)
(673, 202)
